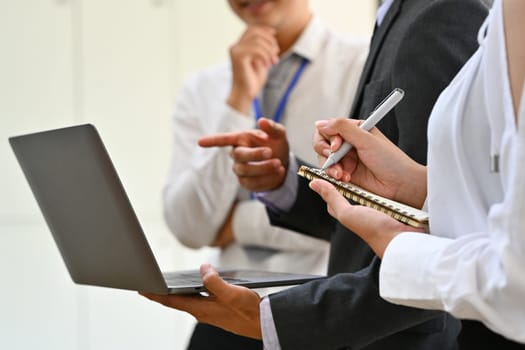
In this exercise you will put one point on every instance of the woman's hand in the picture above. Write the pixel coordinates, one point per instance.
(373, 163)
(374, 227)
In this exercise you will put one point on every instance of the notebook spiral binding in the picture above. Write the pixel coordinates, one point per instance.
(401, 212)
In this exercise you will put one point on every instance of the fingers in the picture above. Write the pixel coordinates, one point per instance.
(259, 165)
(261, 176)
(258, 43)
(214, 284)
(357, 218)
(256, 168)
(321, 146)
(185, 303)
(337, 204)
(263, 183)
(233, 308)
(218, 140)
(194, 304)
(348, 130)
(253, 169)
(274, 130)
(251, 58)
(255, 55)
(327, 138)
(337, 172)
(261, 42)
(248, 138)
(335, 131)
(324, 145)
(242, 154)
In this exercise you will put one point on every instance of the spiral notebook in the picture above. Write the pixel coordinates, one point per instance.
(401, 212)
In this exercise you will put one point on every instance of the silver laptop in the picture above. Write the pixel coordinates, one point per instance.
(93, 223)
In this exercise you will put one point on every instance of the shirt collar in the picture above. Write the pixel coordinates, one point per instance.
(309, 43)
(382, 11)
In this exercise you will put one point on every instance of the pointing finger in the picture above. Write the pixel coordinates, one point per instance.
(243, 138)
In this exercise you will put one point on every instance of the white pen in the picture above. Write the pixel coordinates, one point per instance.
(375, 117)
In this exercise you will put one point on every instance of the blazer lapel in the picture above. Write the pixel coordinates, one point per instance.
(375, 45)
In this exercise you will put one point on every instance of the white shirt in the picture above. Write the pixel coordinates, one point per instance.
(473, 263)
(201, 186)
(283, 197)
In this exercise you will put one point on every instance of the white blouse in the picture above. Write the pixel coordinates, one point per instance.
(472, 264)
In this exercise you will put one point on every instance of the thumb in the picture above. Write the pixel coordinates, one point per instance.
(335, 200)
(273, 129)
(214, 283)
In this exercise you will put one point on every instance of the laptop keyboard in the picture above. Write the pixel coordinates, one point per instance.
(184, 278)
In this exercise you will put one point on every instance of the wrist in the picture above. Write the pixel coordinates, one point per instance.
(414, 192)
(381, 242)
(225, 235)
(241, 102)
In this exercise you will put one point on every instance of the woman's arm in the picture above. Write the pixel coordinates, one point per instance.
(513, 12)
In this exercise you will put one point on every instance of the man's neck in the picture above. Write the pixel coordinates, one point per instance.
(287, 37)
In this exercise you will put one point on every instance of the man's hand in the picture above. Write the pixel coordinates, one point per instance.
(233, 308)
(260, 156)
(251, 58)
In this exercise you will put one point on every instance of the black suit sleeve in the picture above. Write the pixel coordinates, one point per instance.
(346, 310)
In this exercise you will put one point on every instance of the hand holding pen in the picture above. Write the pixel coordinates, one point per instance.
(377, 164)
(375, 117)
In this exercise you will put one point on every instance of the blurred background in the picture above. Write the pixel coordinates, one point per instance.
(117, 64)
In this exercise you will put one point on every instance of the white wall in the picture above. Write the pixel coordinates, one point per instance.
(116, 64)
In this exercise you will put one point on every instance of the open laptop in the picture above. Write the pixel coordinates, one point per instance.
(93, 223)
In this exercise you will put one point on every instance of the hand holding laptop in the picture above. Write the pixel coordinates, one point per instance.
(230, 307)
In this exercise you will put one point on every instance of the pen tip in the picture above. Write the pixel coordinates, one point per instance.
(327, 164)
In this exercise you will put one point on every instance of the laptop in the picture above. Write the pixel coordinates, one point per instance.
(93, 223)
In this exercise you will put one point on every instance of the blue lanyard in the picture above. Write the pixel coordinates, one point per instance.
(282, 104)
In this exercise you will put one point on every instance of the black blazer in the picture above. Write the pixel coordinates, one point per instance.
(419, 47)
